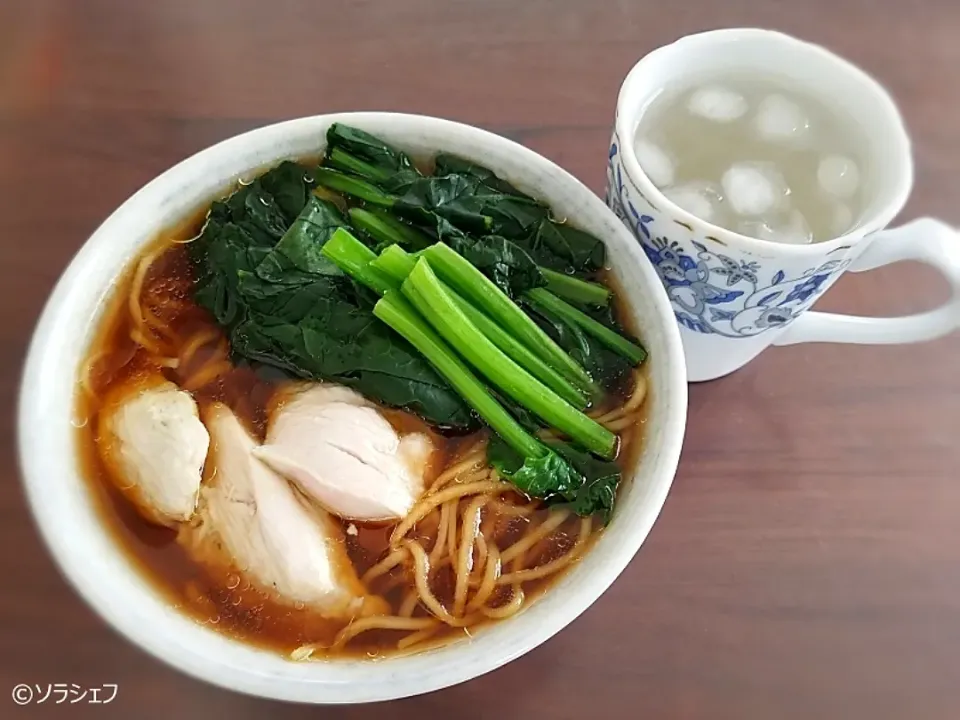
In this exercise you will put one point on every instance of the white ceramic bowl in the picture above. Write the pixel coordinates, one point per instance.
(102, 574)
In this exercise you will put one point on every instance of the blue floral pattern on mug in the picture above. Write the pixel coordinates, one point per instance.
(713, 292)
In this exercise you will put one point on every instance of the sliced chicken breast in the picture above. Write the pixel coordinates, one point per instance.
(343, 453)
(152, 441)
(257, 521)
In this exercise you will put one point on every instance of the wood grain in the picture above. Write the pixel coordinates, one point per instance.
(807, 561)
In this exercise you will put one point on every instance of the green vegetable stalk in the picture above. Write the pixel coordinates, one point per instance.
(458, 273)
(354, 258)
(342, 160)
(574, 289)
(426, 293)
(386, 229)
(396, 312)
(350, 185)
(540, 297)
(397, 264)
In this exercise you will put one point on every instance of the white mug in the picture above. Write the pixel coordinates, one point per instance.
(732, 295)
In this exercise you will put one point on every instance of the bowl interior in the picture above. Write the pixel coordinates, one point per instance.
(85, 550)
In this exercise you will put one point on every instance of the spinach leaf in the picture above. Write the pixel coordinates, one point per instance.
(284, 304)
(367, 147)
(225, 252)
(469, 196)
(504, 262)
(471, 206)
(451, 197)
(289, 184)
(447, 164)
(299, 251)
(600, 480)
(564, 476)
(255, 210)
(565, 249)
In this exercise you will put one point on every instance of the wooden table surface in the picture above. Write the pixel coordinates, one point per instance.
(806, 564)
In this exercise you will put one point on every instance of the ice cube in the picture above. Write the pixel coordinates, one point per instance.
(780, 119)
(697, 198)
(796, 231)
(717, 103)
(753, 188)
(842, 220)
(839, 176)
(793, 231)
(655, 162)
(756, 229)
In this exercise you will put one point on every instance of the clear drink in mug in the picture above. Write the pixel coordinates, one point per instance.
(757, 156)
(785, 164)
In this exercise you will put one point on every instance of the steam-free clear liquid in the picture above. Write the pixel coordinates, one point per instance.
(757, 156)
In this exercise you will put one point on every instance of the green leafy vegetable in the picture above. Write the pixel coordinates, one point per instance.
(447, 164)
(297, 257)
(387, 230)
(425, 292)
(609, 369)
(598, 490)
(358, 152)
(396, 312)
(283, 303)
(543, 299)
(345, 162)
(565, 476)
(574, 289)
(353, 257)
(474, 286)
(469, 196)
(349, 185)
(565, 249)
(396, 264)
(289, 184)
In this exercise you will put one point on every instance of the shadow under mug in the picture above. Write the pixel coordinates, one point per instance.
(734, 296)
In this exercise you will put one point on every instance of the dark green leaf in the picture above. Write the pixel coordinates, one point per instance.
(548, 477)
(565, 249)
(447, 164)
(451, 197)
(600, 480)
(289, 183)
(564, 476)
(299, 251)
(501, 260)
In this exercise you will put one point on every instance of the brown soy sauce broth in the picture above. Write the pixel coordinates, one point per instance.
(225, 600)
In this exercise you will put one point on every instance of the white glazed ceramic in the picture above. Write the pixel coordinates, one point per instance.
(100, 572)
(734, 296)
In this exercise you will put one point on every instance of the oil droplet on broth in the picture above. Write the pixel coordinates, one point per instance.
(233, 580)
(298, 605)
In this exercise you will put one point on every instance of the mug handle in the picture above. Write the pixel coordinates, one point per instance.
(927, 240)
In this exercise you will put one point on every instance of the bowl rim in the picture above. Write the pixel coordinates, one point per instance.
(229, 671)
